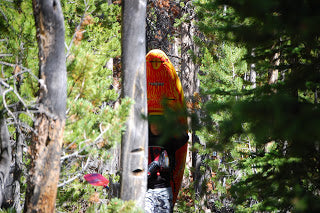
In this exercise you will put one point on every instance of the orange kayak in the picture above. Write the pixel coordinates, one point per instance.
(163, 82)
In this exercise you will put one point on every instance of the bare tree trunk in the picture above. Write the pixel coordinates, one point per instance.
(253, 74)
(190, 83)
(189, 69)
(273, 77)
(49, 125)
(18, 148)
(17, 172)
(5, 159)
(135, 139)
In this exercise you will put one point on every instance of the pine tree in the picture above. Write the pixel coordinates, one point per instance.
(277, 122)
(94, 120)
(18, 89)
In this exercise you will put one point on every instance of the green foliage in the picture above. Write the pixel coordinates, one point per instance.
(10, 210)
(117, 205)
(76, 197)
(267, 137)
(95, 115)
(18, 45)
(268, 134)
(84, 197)
(94, 123)
(19, 67)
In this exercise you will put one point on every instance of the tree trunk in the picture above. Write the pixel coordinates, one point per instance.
(189, 70)
(191, 83)
(135, 140)
(273, 76)
(49, 125)
(5, 159)
(253, 74)
(17, 172)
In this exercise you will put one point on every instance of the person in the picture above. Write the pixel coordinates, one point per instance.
(167, 132)
(159, 196)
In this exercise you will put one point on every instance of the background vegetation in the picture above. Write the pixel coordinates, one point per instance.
(261, 73)
(258, 125)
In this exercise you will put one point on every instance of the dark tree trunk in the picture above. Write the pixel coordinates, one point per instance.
(49, 125)
(135, 140)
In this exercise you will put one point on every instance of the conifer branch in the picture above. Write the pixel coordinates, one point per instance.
(76, 153)
(76, 176)
(77, 28)
(18, 96)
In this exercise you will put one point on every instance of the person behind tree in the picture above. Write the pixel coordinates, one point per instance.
(167, 131)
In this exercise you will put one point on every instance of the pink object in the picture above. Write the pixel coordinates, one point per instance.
(96, 179)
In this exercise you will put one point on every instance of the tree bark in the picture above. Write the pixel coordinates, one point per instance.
(253, 74)
(135, 139)
(17, 173)
(5, 159)
(49, 125)
(273, 75)
(191, 83)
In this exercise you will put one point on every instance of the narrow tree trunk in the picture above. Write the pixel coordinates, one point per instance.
(17, 172)
(191, 83)
(189, 69)
(5, 158)
(273, 77)
(253, 74)
(17, 154)
(49, 125)
(135, 140)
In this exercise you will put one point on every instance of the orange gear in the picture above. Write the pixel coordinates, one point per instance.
(163, 83)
